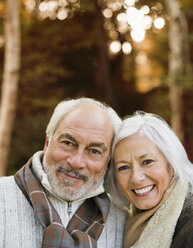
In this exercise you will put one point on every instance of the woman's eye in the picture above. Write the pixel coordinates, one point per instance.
(147, 161)
(123, 167)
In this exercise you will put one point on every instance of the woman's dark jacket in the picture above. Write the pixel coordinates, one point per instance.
(183, 236)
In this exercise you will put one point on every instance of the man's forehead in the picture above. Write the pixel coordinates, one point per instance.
(87, 121)
(89, 114)
(86, 108)
(86, 129)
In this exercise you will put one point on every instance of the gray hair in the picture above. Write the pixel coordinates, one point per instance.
(161, 134)
(67, 105)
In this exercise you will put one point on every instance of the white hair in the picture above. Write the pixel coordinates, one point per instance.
(161, 134)
(66, 106)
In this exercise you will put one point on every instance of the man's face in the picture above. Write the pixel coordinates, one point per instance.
(77, 155)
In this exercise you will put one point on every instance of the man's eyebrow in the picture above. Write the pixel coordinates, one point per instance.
(100, 145)
(94, 144)
(68, 136)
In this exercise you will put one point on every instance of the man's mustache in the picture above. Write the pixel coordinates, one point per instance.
(71, 172)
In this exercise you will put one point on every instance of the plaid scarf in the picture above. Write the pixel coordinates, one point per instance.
(84, 228)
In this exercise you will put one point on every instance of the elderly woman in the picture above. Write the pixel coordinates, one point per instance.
(152, 177)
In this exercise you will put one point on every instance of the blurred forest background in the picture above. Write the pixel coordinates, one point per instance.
(133, 55)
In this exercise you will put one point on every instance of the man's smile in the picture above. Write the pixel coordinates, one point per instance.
(72, 175)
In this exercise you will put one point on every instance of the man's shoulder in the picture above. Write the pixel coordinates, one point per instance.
(7, 181)
(113, 232)
(117, 209)
(9, 188)
(117, 212)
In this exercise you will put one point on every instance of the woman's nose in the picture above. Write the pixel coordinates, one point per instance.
(137, 175)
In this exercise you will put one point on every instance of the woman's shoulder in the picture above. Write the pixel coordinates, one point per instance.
(183, 236)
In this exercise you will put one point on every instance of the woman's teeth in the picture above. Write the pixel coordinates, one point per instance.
(143, 190)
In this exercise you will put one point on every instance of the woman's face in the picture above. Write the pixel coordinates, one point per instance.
(142, 171)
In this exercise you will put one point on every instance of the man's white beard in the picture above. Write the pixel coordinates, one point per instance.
(66, 190)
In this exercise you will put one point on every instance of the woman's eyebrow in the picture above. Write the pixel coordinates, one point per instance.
(122, 162)
(145, 155)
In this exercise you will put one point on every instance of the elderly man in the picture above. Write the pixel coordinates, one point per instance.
(57, 199)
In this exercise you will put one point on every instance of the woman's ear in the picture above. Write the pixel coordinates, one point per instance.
(172, 172)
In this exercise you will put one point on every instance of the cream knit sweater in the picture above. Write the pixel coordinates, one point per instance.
(20, 229)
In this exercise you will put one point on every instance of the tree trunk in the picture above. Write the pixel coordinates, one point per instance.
(176, 65)
(103, 85)
(10, 79)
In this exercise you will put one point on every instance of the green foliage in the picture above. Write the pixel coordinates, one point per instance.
(157, 102)
(28, 138)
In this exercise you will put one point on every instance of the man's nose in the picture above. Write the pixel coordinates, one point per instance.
(77, 159)
(137, 175)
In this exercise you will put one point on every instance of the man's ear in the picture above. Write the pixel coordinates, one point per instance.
(46, 143)
(108, 165)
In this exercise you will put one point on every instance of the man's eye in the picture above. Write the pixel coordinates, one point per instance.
(95, 152)
(66, 142)
(147, 161)
(123, 167)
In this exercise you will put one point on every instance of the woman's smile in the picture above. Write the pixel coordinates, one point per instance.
(143, 191)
